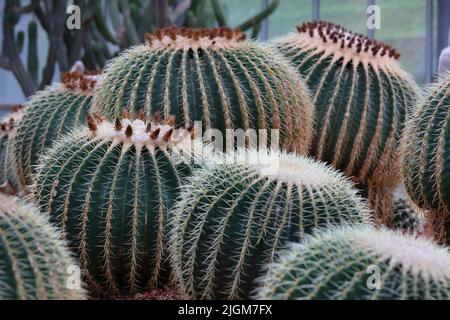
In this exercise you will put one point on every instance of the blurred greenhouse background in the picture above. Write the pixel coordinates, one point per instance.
(417, 28)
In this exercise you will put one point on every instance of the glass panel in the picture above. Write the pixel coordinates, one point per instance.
(403, 25)
(288, 15)
(239, 11)
(350, 14)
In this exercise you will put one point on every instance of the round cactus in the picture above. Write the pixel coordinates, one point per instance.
(48, 115)
(426, 165)
(110, 187)
(234, 215)
(361, 95)
(359, 263)
(7, 129)
(213, 76)
(34, 262)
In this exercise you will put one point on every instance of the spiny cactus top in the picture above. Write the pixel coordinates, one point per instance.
(359, 263)
(8, 127)
(234, 215)
(110, 187)
(426, 164)
(361, 96)
(213, 76)
(34, 262)
(48, 115)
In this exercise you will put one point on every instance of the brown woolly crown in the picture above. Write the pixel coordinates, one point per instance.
(7, 124)
(332, 33)
(154, 132)
(84, 81)
(173, 37)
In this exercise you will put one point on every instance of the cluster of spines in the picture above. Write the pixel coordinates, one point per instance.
(34, 261)
(8, 124)
(159, 131)
(359, 263)
(407, 217)
(232, 217)
(195, 34)
(84, 81)
(337, 34)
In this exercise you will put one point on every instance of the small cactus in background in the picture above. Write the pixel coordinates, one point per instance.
(406, 216)
(234, 215)
(209, 75)
(110, 187)
(8, 127)
(34, 262)
(426, 159)
(359, 263)
(362, 98)
(48, 115)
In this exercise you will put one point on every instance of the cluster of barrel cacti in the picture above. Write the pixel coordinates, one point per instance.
(125, 167)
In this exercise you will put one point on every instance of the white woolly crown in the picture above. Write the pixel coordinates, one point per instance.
(152, 134)
(418, 255)
(288, 167)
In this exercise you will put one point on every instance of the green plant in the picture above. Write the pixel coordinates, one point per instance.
(234, 215)
(8, 127)
(209, 75)
(34, 262)
(48, 115)
(110, 187)
(362, 99)
(426, 160)
(359, 263)
(105, 27)
(406, 216)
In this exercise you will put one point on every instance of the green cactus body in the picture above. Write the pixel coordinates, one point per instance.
(426, 164)
(359, 263)
(213, 76)
(110, 189)
(234, 215)
(361, 95)
(50, 114)
(406, 216)
(34, 262)
(8, 127)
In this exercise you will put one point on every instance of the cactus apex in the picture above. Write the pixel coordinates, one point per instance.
(8, 123)
(329, 34)
(137, 132)
(174, 37)
(83, 81)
